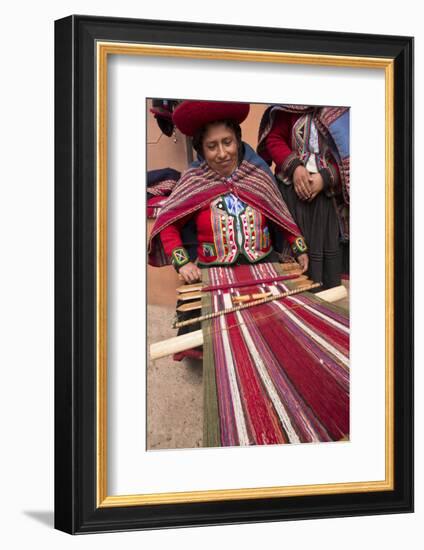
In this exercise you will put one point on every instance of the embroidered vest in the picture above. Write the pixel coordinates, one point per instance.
(237, 229)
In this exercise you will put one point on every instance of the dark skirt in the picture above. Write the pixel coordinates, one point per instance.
(318, 223)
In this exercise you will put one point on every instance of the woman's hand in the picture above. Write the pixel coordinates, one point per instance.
(190, 273)
(302, 183)
(303, 261)
(317, 185)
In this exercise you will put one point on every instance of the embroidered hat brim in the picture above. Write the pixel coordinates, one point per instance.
(190, 116)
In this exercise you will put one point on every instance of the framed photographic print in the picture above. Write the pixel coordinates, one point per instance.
(250, 188)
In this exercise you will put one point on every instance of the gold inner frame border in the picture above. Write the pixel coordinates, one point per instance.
(103, 50)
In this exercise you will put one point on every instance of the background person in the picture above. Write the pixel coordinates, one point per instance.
(310, 149)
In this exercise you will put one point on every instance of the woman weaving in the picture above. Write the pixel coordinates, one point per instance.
(229, 193)
(264, 382)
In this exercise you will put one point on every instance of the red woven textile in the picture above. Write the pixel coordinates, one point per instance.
(281, 369)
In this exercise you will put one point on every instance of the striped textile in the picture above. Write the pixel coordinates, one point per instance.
(275, 373)
(162, 188)
(154, 206)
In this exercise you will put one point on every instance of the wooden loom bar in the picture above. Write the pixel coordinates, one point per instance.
(233, 309)
(189, 296)
(195, 339)
(176, 344)
(200, 287)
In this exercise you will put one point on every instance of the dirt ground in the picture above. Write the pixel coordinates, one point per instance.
(175, 390)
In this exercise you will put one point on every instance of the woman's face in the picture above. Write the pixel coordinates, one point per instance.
(220, 149)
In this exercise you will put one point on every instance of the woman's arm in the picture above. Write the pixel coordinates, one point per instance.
(287, 163)
(174, 248)
(190, 273)
(299, 249)
(278, 146)
(303, 261)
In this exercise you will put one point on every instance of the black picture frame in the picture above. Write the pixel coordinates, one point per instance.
(77, 508)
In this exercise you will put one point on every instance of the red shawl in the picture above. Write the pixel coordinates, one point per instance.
(252, 182)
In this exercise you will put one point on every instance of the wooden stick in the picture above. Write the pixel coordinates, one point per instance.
(182, 343)
(330, 295)
(245, 306)
(201, 287)
(195, 287)
(302, 280)
(249, 297)
(287, 267)
(190, 296)
(333, 294)
(176, 344)
(190, 306)
(244, 298)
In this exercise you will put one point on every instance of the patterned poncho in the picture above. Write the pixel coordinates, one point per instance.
(332, 122)
(252, 182)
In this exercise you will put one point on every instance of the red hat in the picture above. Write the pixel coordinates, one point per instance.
(190, 116)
